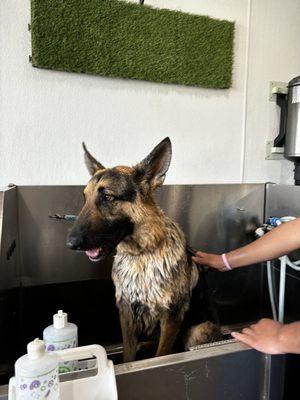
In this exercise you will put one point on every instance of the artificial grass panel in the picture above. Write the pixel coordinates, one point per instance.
(119, 39)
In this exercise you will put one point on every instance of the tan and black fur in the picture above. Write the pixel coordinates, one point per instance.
(152, 273)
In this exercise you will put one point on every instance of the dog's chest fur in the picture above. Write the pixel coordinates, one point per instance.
(155, 281)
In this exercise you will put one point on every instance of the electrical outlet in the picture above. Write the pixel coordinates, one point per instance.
(277, 87)
(274, 153)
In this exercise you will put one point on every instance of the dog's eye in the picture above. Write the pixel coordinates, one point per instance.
(109, 197)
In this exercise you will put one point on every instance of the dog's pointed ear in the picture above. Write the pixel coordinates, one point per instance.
(152, 170)
(91, 163)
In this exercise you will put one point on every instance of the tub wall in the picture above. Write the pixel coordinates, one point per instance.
(218, 135)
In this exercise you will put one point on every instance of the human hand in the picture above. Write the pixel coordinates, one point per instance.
(265, 336)
(211, 260)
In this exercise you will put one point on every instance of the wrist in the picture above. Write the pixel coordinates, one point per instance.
(226, 263)
(283, 340)
(218, 261)
(288, 338)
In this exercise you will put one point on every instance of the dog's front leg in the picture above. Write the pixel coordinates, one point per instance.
(129, 334)
(169, 328)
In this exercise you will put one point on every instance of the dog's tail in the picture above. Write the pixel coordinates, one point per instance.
(206, 332)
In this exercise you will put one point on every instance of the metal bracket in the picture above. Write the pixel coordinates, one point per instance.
(277, 88)
(278, 92)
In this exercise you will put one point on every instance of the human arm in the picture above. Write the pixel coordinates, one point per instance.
(281, 240)
(271, 337)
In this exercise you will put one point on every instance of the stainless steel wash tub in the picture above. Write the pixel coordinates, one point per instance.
(37, 272)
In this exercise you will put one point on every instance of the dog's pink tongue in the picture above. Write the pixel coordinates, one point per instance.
(93, 253)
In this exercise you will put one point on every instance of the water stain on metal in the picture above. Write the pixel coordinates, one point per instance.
(188, 377)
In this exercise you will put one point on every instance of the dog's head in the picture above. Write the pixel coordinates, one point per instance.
(115, 199)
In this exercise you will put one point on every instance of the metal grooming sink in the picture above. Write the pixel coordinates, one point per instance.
(37, 272)
(224, 371)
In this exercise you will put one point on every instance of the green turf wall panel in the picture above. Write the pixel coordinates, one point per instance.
(119, 39)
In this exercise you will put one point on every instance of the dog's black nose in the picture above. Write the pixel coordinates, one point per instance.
(74, 242)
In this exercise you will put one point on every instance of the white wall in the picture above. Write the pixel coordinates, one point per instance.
(274, 55)
(218, 135)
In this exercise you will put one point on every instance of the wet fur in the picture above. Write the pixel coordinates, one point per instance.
(153, 275)
(157, 280)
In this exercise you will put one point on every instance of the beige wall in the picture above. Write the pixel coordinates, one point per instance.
(218, 136)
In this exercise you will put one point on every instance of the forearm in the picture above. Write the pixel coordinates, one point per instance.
(281, 240)
(289, 338)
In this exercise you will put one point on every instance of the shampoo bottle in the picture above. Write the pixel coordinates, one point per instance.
(61, 335)
(36, 374)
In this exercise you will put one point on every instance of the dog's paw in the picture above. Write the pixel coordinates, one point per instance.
(206, 332)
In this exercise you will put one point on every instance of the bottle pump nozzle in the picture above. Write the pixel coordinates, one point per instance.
(35, 349)
(60, 320)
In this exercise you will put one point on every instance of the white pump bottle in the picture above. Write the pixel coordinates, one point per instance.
(60, 336)
(36, 374)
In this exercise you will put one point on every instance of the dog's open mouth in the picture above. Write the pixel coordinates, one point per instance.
(95, 247)
(96, 254)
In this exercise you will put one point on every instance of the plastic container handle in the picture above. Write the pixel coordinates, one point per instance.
(80, 353)
(12, 389)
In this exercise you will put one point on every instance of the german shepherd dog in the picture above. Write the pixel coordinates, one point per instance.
(152, 272)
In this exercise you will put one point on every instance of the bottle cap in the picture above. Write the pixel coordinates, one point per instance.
(35, 349)
(60, 320)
